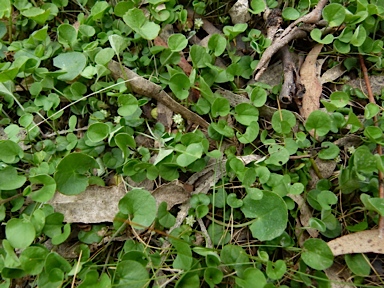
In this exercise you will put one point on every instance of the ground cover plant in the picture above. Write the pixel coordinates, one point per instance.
(168, 143)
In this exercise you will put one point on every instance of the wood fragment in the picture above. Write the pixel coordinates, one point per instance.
(311, 82)
(147, 88)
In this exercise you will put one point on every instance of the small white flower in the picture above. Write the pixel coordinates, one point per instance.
(190, 220)
(105, 112)
(338, 159)
(178, 119)
(117, 119)
(198, 23)
(351, 149)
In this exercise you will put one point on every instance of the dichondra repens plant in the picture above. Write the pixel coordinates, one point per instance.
(229, 182)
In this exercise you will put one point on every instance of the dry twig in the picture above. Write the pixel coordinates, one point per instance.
(378, 148)
(147, 88)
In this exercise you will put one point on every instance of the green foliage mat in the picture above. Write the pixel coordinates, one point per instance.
(250, 188)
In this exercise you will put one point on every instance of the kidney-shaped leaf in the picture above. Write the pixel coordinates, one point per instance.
(71, 172)
(97, 132)
(136, 19)
(9, 179)
(317, 254)
(140, 205)
(46, 192)
(271, 215)
(72, 63)
(10, 152)
(131, 274)
(20, 234)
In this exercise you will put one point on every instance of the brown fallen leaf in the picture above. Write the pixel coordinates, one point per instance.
(172, 193)
(311, 82)
(368, 241)
(339, 276)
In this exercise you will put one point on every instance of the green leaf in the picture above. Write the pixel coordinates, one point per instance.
(283, 121)
(46, 192)
(250, 133)
(118, 43)
(318, 121)
(122, 7)
(92, 236)
(316, 254)
(140, 205)
(123, 141)
(217, 44)
(61, 237)
(359, 264)
(136, 19)
(71, 173)
(233, 201)
(316, 35)
(235, 257)
(271, 215)
(246, 113)
(252, 277)
(10, 152)
(180, 85)
(258, 96)
(220, 107)
(184, 258)
(278, 155)
(341, 47)
(72, 63)
(166, 219)
(232, 31)
(98, 132)
(339, 98)
(326, 198)
(19, 233)
(213, 275)
(98, 9)
(177, 42)
(32, 259)
(296, 189)
(359, 36)
(67, 35)
(199, 56)
(37, 14)
(374, 134)
(193, 152)
(290, 13)
(222, 128)
(10, 180)
(218, 233)
(331, 152)
(371, 110)
(128, 105)
(364, 161)
(334, 14)
(104, 56)
(93, 280)
(5, 9)
(257, 6)
(276, 270)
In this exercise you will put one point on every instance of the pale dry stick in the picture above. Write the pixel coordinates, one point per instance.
(77, 269)
(62, 132)
(378, 147)
(171, 279)
(205, 233)
(144, 87)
